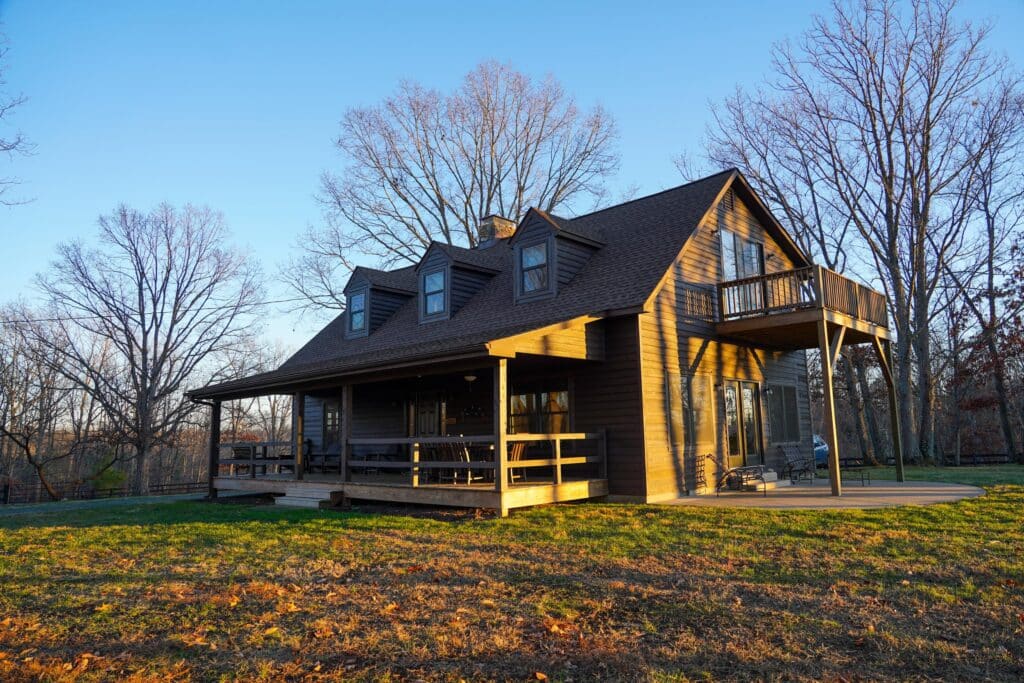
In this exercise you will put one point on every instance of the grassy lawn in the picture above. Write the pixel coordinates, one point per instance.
(596, 591)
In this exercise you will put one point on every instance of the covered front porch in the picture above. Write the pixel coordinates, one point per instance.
(497, 433)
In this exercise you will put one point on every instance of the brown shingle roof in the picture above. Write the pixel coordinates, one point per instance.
(401, 279)
(641, 239)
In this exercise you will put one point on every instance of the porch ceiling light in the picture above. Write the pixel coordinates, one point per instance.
(470, 378)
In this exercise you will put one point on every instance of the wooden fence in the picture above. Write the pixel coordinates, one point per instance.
(14, 492)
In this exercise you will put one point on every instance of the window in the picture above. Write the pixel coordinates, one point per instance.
(740, 258)
(433, 293)
(533, 268)
(357, 312)
(783, 414)
(539, 411)
(332, 427)
(698, 411)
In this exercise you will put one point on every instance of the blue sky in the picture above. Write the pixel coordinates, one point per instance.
(235, 104)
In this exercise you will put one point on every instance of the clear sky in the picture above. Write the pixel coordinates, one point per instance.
(235, 104)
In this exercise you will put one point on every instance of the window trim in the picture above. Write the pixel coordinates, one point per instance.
(330, 406)
(738, 247)
(535, 390)
(365, 328)
(690, 430)
(780, 389)
(445, 293)
(550, 263)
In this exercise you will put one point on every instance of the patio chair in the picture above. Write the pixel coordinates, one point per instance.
(798, 465)
(516, 450)
(459, 452)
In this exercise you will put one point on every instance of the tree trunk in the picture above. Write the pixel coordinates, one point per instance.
(925, 385)
(141, 484)
(881, 449)
(906, 409)
(857, 406)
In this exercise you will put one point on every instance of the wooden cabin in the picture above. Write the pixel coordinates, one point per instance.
(634, 354)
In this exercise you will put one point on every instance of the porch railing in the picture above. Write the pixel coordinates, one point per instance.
(258, 454)
(557, 460)
(802, 288)
(467, 457)
(418, 447)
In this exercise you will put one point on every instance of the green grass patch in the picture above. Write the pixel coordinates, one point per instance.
(192, 590)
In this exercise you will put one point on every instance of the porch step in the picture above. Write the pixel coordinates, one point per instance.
(306, 497)
(296, 502)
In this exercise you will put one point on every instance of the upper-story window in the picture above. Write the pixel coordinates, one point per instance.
(434, 299)
(357, 312)
(740, 257)
(533, 268)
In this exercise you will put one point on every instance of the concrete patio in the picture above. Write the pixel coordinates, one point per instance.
(804, 496)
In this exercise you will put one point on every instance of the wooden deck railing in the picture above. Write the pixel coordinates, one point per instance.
(253, 454)
(802, 288)
(467, 455)
(462, 458)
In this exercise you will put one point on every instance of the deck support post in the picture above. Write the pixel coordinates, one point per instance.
(214, 464)
(501, 431)
(831, 434)
(346, 431)
(883, 349)
(300, 419)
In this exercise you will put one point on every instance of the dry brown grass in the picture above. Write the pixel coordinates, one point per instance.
(198, 591)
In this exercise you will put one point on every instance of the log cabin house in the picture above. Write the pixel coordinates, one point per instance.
(633, 353)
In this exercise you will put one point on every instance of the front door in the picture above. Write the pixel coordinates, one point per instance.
(743, 423)
(427, 415)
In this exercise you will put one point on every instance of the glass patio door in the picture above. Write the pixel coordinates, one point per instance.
(743, 423)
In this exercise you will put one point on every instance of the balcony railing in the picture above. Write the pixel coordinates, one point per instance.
(813, 287)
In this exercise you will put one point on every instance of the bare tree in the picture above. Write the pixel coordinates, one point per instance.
(877, 119)
(424, 166)
(269, 417)
(165, 294)
(46, 422)
(11, 143)
(981, 276)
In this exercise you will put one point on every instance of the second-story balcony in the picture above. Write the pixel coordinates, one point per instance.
(783, 309)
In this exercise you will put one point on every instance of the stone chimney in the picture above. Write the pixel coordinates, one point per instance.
(494, 228)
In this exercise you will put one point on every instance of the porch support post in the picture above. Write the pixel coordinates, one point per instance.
(501, 430)
(557, 443)
(883, 349)
(414, 457)
(831, 434)
(300, 419)
(214, 465)
(346, 430)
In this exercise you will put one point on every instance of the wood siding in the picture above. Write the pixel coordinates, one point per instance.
(313, 424)
(571, 256)
(464, 285)
(535, 229)
(382, 306)
(584, 341)
(678, 337)
(606, 395)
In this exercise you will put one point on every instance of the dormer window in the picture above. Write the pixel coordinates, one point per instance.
(533, 268)
(434, 295)
(357, 312)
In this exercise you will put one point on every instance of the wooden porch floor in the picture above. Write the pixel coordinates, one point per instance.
(396, 489)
